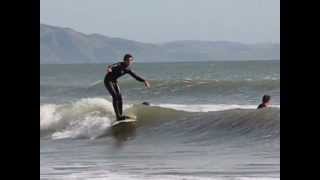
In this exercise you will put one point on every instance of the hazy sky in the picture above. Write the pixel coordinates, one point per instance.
(247, 21)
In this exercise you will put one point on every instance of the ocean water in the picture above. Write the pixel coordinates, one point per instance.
(203, 122)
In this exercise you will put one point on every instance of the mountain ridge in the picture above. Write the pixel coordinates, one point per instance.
(66, 45)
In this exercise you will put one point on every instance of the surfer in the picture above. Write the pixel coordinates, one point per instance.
(265, 102)
(115, 71)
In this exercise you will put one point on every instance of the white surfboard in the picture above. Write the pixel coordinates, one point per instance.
(132, 119)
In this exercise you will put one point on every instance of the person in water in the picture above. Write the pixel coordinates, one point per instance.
(265, 102)
(115, 71)
(146, 103)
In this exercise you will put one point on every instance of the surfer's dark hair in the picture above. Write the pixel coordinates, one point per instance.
(126, 57)
(266, 98)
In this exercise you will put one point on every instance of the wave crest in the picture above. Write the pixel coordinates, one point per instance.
(92, 118)
(86, 118)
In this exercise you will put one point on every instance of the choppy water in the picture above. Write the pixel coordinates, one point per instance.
(203, 123)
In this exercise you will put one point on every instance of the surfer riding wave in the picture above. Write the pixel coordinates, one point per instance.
(115, 71)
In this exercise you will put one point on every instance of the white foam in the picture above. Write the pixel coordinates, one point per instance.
(48, 116)
(257, 178)
(90, 127)
(87, 118)
(209, 107)
(107, 175)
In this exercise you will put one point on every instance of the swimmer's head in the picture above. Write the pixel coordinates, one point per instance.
(146, 103)
(266, 99)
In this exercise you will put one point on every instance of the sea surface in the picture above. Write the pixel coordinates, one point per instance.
(202, 122)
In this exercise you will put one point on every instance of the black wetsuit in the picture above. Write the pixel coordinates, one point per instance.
(261, 106)
(110, 82)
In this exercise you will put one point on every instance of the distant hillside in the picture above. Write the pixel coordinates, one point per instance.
(64, 45)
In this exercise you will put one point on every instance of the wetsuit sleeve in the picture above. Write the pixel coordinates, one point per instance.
(261, 106)
(134, 75)
(113, 65)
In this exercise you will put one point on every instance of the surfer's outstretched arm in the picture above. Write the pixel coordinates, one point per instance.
(139, 78)
(134, 75)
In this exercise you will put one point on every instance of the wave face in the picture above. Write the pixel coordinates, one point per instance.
(91, 118)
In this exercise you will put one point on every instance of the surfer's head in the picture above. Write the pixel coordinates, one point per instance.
(128, 59)
(266, 99)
